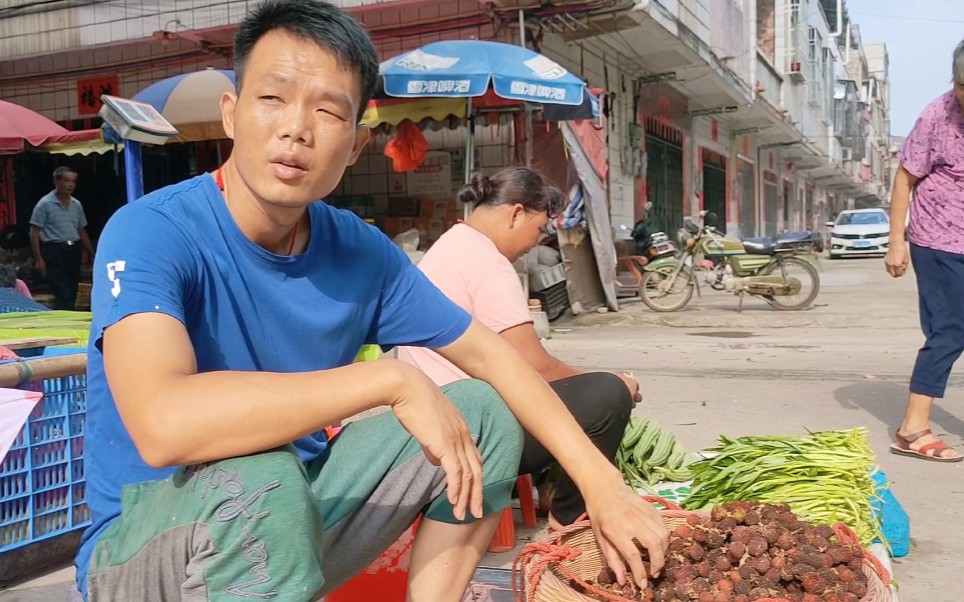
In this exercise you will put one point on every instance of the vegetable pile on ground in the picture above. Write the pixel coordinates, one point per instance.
(824, 477)
(746, 551)
(648, 454)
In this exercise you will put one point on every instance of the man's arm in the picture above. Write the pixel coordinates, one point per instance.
(85, 241)
(176, 416)
(618, 515)
(241, 413)
(38, 258)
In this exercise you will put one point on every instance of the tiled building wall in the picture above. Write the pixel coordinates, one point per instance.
(48, 83)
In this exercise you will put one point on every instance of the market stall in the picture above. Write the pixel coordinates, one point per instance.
(423, 151)
(801, 518)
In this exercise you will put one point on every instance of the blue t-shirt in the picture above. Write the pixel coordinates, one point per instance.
(179, 252)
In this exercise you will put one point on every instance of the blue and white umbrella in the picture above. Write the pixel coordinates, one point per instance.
(468, 68)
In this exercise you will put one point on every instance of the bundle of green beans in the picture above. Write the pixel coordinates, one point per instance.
(649, 454)
(825, 477)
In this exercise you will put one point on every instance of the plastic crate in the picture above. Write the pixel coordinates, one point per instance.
(541, 279)
(43, 492)
(12, 301)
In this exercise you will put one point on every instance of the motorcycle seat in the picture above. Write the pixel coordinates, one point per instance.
(759, 246)
(804, 236)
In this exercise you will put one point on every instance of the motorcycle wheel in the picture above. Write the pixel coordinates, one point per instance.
(795, 302)
(652, 283)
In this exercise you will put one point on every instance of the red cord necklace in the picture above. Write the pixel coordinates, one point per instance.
(219, 179)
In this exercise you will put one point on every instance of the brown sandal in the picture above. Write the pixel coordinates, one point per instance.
(902, 448)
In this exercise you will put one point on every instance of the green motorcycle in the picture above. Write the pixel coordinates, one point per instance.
(783, 275)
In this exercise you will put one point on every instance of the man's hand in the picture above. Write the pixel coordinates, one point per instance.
(897, 258)
(41, 266)
(620, 519)
(633, 385)
(441, 430)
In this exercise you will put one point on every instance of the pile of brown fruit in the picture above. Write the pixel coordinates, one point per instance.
(745, 551)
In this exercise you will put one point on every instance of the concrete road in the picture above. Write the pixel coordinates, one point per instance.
(710, 370)
(845, 363)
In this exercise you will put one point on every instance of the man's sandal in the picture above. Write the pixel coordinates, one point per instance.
(931, 451)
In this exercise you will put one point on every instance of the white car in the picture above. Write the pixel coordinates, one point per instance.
(859, 232)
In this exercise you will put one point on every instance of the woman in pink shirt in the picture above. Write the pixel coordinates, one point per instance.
(472, 265)
(932, 168)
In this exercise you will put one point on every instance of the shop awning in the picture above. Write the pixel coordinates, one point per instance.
(80, 142)
(392, 111)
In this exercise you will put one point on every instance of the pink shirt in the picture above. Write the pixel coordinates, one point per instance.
(934, 152)
(466, 265)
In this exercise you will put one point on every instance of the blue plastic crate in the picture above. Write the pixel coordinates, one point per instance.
(12, 301)
(896, 523)
(43, 492)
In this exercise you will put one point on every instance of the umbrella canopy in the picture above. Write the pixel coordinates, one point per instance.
(191, 102)
(467, 69)
(19, 125)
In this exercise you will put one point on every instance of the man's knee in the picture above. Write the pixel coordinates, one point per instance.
(281, 465)
(487, 416)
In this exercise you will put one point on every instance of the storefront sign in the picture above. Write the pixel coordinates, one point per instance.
(433, 177)
(90, 90)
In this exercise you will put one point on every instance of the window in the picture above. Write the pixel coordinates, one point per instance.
(816, 69)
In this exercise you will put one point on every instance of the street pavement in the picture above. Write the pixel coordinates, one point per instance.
(709, 370)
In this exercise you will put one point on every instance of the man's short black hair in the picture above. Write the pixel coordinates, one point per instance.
(62, 171)
(316, 21)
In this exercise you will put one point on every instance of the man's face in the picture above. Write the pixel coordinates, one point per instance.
(294, 123)
(66, 184)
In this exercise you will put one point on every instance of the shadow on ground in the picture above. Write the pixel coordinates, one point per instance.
(885, 400)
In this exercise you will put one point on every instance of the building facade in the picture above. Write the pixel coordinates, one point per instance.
(773, 114)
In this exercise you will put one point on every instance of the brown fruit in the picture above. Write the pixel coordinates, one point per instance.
(756, 546)
(683, 531)
(695, 552)
(752, 518)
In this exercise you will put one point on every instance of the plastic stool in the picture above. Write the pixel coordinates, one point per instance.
(527, 503)
(503, 539)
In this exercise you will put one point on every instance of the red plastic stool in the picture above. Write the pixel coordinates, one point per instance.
(504, 538)
(526, 502)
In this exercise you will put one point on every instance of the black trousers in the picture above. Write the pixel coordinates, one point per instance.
(63, 271)
(601, 404)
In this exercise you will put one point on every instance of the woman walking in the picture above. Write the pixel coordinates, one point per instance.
(932, 169)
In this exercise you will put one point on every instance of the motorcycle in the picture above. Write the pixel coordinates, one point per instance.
(651, 245)
(782, 273)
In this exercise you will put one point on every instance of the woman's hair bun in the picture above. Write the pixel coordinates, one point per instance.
(477, 191)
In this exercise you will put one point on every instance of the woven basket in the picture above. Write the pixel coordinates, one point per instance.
(543, 570)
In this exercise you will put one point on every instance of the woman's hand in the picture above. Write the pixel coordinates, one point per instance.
(897, 259)
(633, 385)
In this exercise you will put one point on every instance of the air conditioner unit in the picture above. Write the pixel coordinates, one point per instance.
(796, 73)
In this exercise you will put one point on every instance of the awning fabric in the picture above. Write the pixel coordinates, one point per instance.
(394, 111)
(81, 142)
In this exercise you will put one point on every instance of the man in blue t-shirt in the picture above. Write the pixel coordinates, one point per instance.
(227, 310)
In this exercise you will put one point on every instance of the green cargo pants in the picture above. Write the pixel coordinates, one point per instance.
(267, 526)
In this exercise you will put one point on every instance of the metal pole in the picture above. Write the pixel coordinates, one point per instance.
(133, 168)
(522, 28)
(469, 159)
